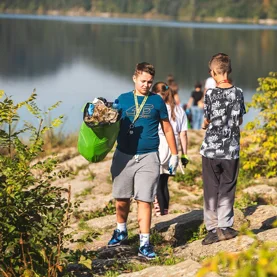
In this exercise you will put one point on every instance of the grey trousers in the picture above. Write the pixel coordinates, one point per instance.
(219, 182)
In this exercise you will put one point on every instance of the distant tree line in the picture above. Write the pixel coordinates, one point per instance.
(240, 9)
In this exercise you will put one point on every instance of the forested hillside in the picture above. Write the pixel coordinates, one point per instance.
(177, 9)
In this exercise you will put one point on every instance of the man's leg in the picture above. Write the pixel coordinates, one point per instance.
(145, 189)
(197, 118)
(226, 193)
(122, 171)
(163, 193)
(144, 217)
(122, 210)
(194, 117)
(120, 234)
(211, 175)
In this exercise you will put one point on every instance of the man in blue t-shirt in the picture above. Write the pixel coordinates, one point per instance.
(136, 167)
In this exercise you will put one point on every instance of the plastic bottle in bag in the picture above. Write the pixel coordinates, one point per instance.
(116, 105)
(90, 109)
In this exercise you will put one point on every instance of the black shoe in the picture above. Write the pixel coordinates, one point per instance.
(229, 233)
(211, 237)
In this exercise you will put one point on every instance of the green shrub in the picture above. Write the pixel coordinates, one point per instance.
(259, 140)
(260, 259)
(33, 213)
(245, 200)
(189, 178)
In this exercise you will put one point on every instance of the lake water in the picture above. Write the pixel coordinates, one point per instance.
(74, 59)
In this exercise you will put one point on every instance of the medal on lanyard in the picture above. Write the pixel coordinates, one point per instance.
(130, 130)
(138, 110)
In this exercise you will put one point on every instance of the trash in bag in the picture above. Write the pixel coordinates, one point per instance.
(99, 129)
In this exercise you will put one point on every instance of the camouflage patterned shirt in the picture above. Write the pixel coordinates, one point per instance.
(223, 107)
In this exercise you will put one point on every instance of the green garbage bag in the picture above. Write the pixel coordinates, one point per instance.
(95, 143)
(98, 131)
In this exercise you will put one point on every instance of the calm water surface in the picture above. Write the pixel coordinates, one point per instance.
(77, 59)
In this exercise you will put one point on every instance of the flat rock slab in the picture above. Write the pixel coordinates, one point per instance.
(173, 228)
(187, 268)
(268, 235)
(184, 269)
(176, 227)
(197, 251)
(261, 217)
(122, 251)
(265, 190)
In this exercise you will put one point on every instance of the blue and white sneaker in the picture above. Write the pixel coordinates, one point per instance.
(118, 238)
(147, 251)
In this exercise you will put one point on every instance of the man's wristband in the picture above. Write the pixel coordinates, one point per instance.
(185, 156)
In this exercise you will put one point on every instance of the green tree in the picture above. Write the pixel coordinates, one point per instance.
(87, 5)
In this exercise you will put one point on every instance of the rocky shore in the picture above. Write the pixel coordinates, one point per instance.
(176, 236)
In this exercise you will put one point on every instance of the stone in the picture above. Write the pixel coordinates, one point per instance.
(179, 228)
(197, 251)
(187, 268)
(174, 229)
(265, 190)
(268, 235)
(239, 219)
(261, 217)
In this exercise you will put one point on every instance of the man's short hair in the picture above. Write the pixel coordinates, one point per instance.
(144, 67)
(222, 63)
(198, 85)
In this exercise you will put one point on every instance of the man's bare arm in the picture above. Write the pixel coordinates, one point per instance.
(206, 123)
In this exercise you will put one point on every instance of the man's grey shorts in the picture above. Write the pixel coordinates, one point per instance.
(136, 178)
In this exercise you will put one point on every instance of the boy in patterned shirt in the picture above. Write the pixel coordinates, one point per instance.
(223, 112)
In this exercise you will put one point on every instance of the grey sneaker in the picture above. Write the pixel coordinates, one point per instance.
(211, 237)
(229, 233)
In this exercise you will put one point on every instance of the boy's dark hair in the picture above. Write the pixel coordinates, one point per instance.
(144, 67)
(170, 79)
(198, 85)
(222, 63)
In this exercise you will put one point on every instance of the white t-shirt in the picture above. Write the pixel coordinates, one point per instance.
(210, 83)
(181, 122)
(179, 125)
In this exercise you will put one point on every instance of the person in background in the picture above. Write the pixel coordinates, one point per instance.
(170, 80)
(135, 166)
(178, 120)
(223, 112)
(195, 104)
(209, 83)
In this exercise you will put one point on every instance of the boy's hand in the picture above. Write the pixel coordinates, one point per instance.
(173, 163)
(184, 160)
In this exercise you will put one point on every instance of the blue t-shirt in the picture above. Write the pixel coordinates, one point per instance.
(145, 138)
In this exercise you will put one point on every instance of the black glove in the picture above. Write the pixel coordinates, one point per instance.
(184, 160)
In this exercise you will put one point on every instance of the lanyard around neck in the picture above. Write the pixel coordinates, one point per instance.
(139, 108)
(222, 81)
